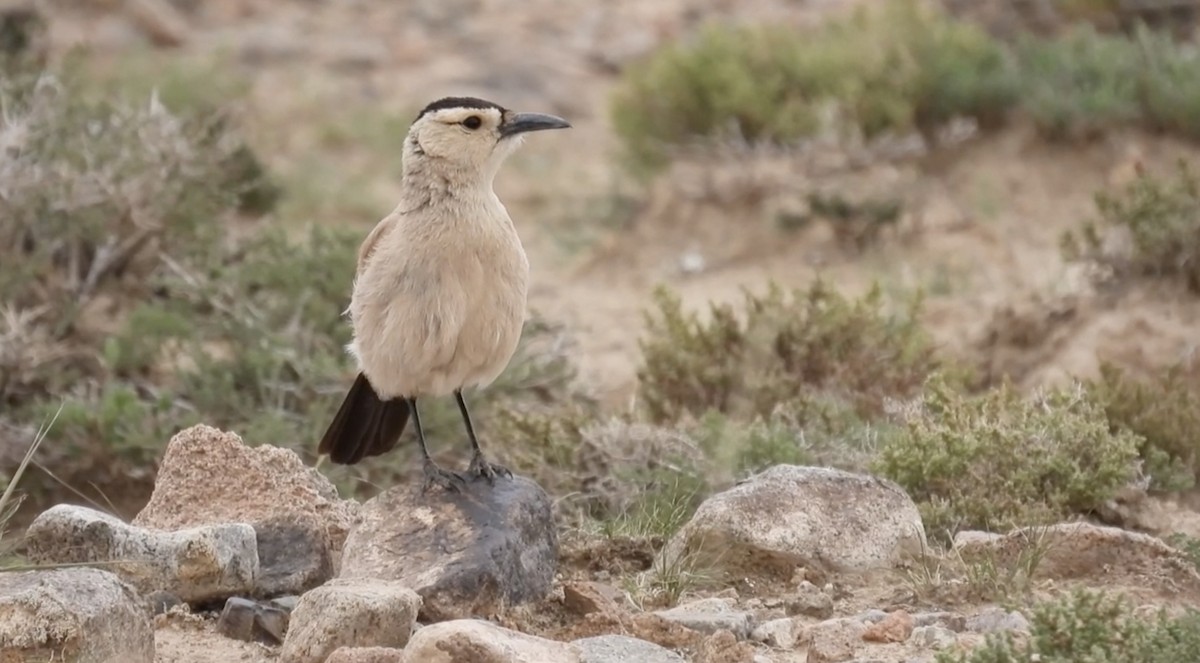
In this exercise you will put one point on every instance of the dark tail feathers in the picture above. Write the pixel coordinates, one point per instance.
(364, 425)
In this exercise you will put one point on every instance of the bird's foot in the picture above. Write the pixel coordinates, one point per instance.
(436, 475)
(481, 467)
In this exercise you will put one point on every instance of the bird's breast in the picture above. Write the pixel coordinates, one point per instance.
(440, 307)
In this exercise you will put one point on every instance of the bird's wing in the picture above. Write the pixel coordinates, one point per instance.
(382, 228)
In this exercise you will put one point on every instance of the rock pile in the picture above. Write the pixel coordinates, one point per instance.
(284, 566)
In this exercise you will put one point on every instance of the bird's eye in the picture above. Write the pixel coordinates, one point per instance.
(472, 122)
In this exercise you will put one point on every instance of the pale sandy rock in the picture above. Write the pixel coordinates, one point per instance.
(723, 647)
(464, 553)
(208, 476)
(972, 537)
(790, 516)
(810, 601)
(711, 615)
(623, 649)
(779, 633)
(834, 641)
(995, 620)
(80, 615)
(479, 641)
(366, 655)
(933, 637)
(349, 613)
(1079, 550)
(194, 564)
(584, 598)
(950, 620)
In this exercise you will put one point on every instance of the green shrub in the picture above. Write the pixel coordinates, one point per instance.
(1188, 545)
(999, 460)
(1164, 412)
(1161, 219)
(1170, 83)
(896, 67)
(824, 434)
(886, 70)
(1080, 83)
(814, 350)
(1095, 627)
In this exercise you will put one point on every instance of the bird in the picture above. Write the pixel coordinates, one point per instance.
(439, 291)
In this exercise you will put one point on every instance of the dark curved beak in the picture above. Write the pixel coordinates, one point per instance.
(519, 123)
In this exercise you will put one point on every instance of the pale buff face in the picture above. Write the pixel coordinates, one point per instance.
(467, 138)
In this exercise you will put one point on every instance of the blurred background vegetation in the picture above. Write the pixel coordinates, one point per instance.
(181, 199)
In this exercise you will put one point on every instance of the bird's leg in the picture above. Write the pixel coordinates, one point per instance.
(480, 466)
(434, 474)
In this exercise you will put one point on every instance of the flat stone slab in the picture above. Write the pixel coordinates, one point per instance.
(196, 564)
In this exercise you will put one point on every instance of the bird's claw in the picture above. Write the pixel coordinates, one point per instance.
(481, 467)
(438, 476)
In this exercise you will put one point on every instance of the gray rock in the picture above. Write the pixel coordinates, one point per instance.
(780, 633)
(994, 620)
(197, 564)
(624, 649)
(476, 640)
(834, 640)
(711, 615)
(951, 620)
(464, 553)
(293, 556)
(934, 637)
(789, 516)
(810, 601)
(349, 613)
(872, 616)
(81, 615)
(251, 621)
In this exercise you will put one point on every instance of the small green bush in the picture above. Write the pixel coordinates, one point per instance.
(1188, 545)
(998, 460)
(814, 350)
(855, 224)
(1080, 83)
(894, 68)
(1170, 83)
(886, 70)
(1160, 217)
(1095, 627)
(1164, 412)
(828, 434)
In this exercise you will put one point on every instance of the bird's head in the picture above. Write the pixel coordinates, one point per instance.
(470, 135)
